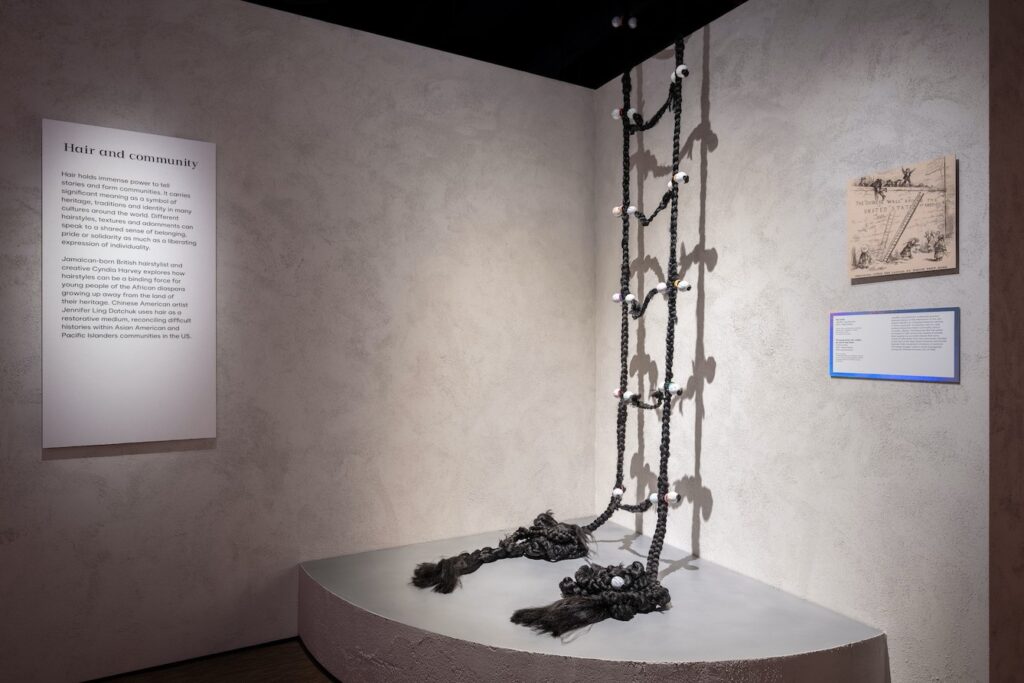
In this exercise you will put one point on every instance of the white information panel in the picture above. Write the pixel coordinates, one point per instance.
(920, 345)
(129, 287)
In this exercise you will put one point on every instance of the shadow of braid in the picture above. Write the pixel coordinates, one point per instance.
(547, 539)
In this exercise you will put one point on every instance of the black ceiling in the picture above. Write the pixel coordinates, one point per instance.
(568, 41)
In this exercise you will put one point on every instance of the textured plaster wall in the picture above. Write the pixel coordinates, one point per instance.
(405, 264)
(868, 497)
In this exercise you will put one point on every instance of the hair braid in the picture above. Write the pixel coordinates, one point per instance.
(595, 592)
(658, 539)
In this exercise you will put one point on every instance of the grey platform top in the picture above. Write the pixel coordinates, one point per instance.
(716, 614)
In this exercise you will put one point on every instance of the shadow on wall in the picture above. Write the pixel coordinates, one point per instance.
(691, 488)
(145, 448)
(694, 264)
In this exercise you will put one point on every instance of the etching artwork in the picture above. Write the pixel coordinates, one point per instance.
(902, 222)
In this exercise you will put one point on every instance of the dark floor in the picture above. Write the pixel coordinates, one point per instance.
(285, 660)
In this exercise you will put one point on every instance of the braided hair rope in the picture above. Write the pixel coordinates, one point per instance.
(547, 539)
(569, 541)
(657, 541)
(597, 592)
(615, 502)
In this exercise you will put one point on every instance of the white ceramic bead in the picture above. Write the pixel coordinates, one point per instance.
(616, 114)
(671, 497)
(681, 177)
(618, 582)
(653, 498)
(631, 210)
(674, 388)
(616, 22)
(631, 113)
(682, 71)
(661, 286)
(628, 395)
(683, 285)
(617, 393)
(617, 211)
(617, 492)
(632, 22)
(630, 298)
(617, 297)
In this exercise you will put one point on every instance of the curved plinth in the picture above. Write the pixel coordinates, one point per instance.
(362, 620)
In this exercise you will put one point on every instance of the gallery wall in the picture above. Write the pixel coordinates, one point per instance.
(868, 497)
(405, 265)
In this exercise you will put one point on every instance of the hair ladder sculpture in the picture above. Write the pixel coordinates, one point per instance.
(596, 592)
